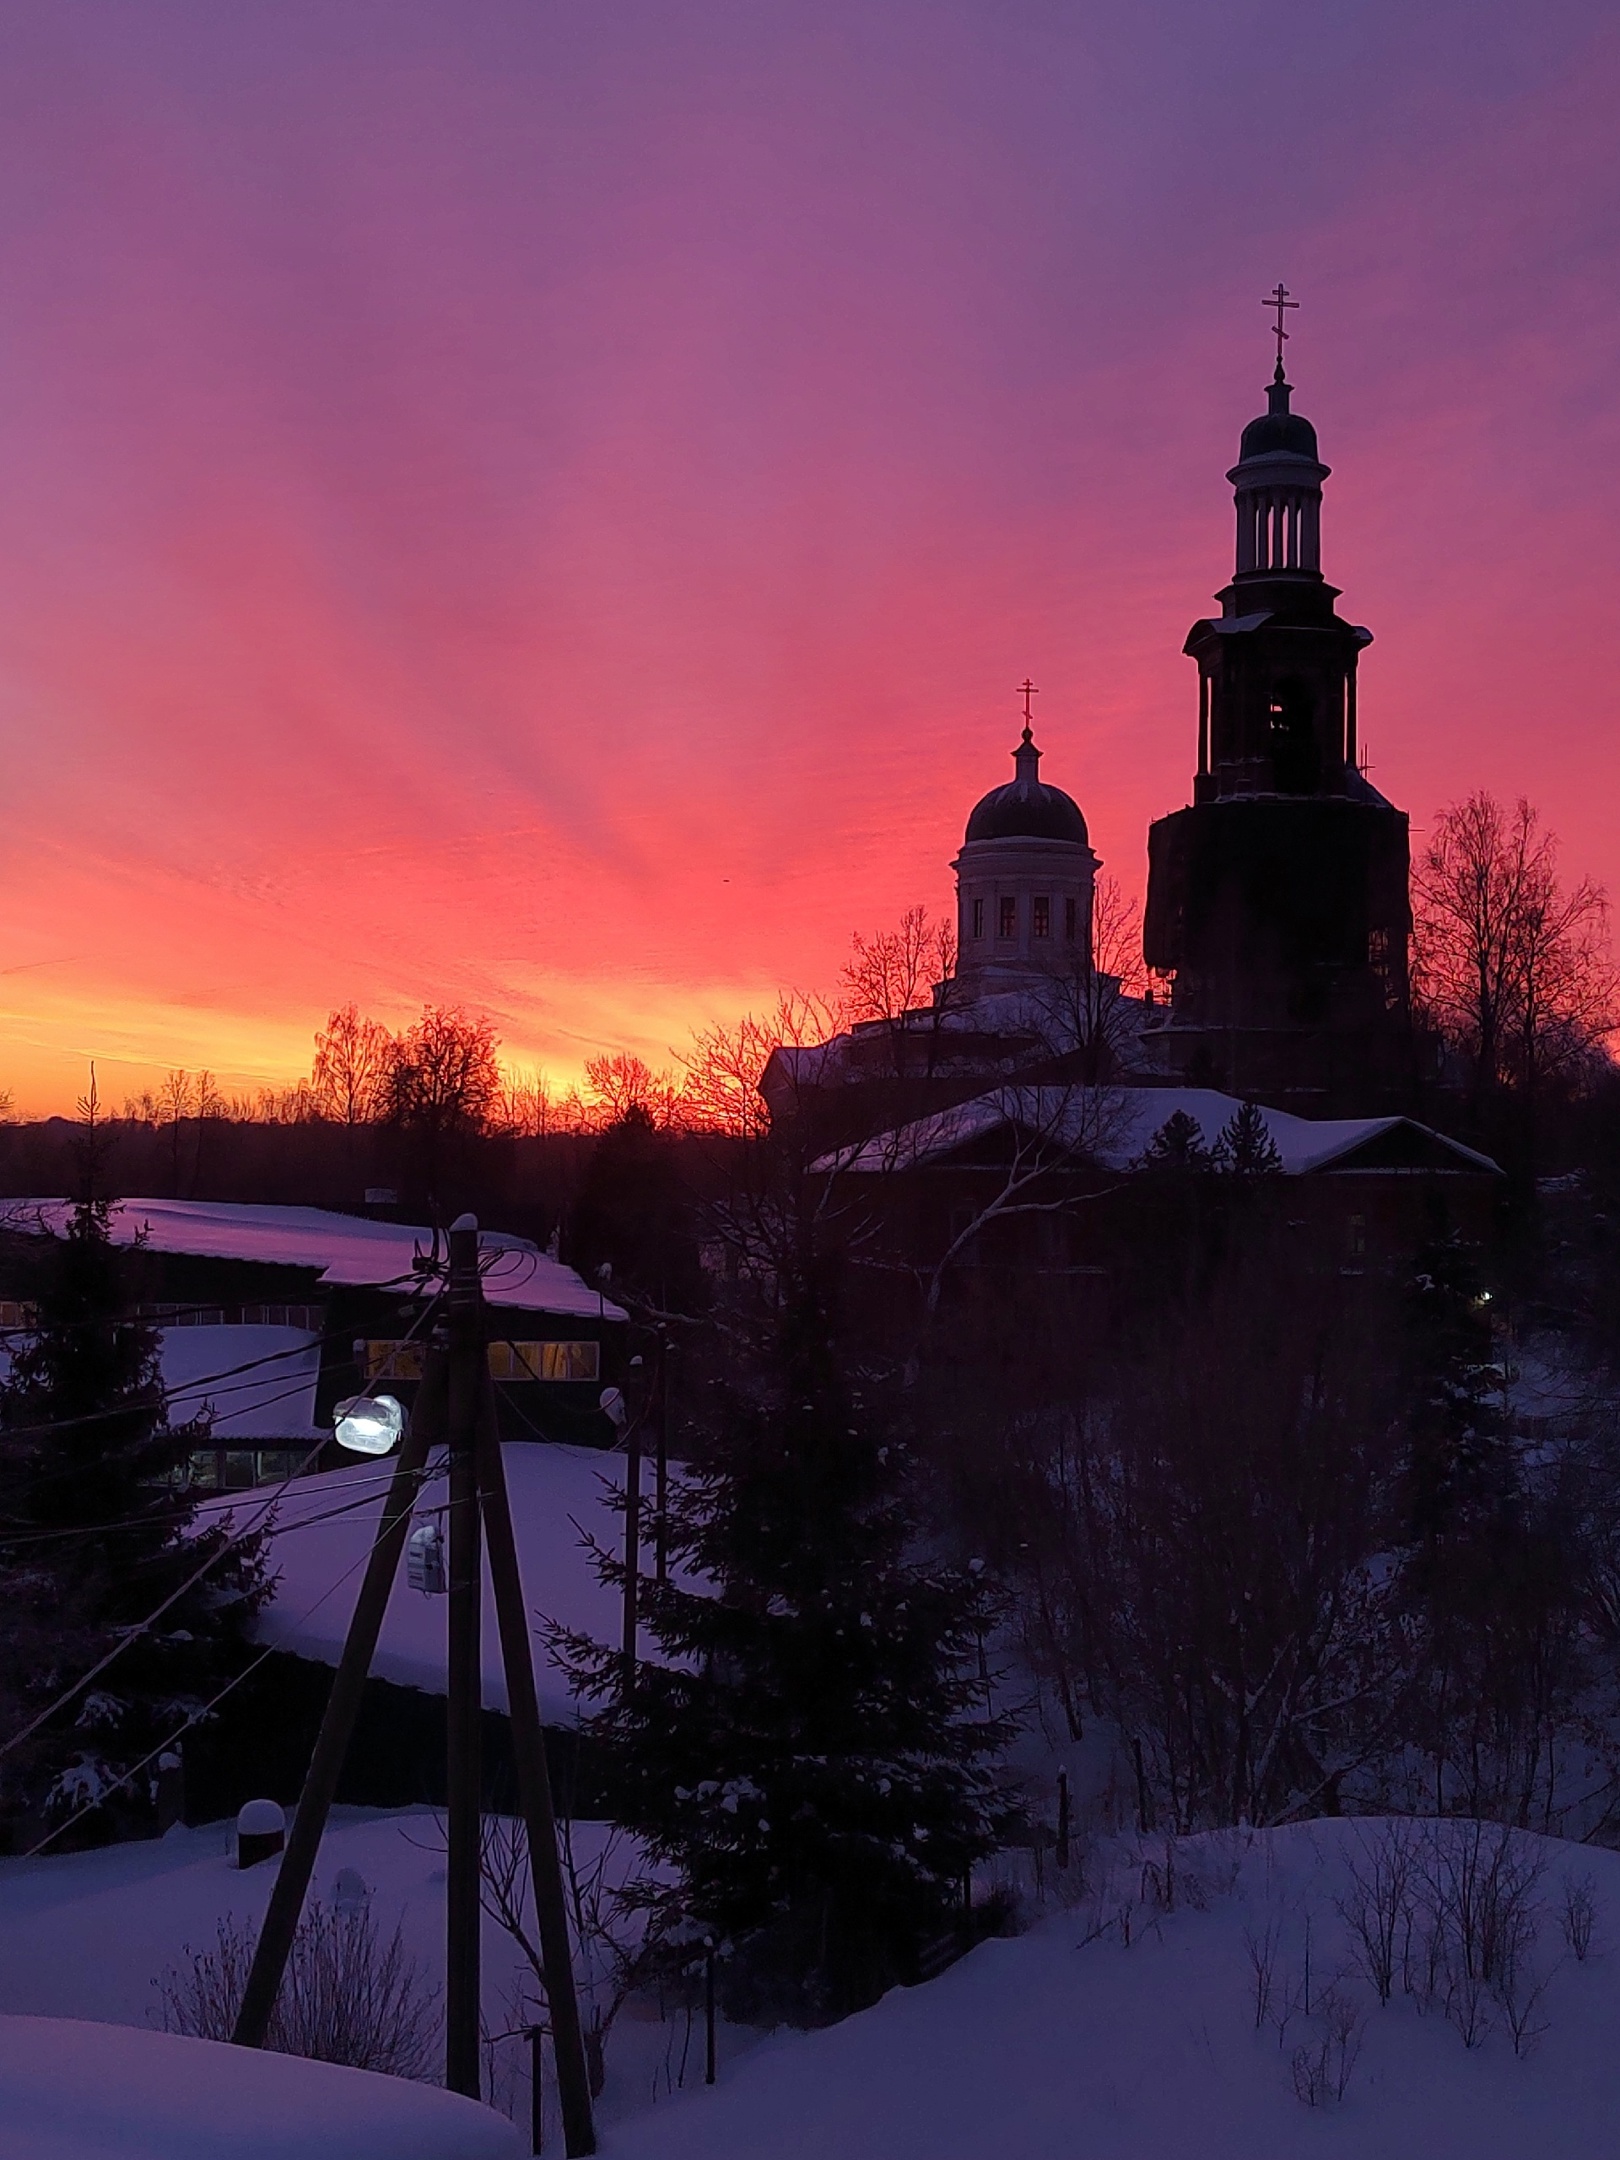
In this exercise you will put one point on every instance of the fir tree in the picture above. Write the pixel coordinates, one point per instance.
(1244, 1147)
(811, 1756)
(98, 1531)
(1177, 1147)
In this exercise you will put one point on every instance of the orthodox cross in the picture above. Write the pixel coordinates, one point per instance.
(1280, 300)
(1027, 691)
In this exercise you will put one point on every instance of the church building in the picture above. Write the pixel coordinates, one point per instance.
(1277, 901)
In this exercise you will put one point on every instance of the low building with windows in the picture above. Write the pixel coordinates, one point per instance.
(269, 1316)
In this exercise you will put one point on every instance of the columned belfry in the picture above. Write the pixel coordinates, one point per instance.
(1277, 901)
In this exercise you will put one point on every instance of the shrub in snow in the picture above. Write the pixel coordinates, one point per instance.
(348, 1997)
(1578, 1914)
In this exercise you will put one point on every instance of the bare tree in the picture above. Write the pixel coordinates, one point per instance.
(895, 972)
(1087, 1009)
(1510, 966)
(527, 1108)
(444, 1075)
(354, 1059)
(725, 1064)
(619, 1083)
(1197, 1542)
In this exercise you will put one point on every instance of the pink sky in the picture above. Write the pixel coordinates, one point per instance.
(544, 506)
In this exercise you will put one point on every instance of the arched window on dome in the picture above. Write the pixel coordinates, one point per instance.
(1040, 919)
(1008, 926)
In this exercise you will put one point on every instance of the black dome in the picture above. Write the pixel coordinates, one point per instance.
(1015, 813)
(1026, 808)
(1278, 429)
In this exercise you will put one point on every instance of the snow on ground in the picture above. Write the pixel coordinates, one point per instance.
(1068, 2039)
(76, 2091)
(1051, 2045)
(556, 1494)
(88, 1935)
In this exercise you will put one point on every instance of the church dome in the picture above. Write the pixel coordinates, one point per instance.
(1278, 429)
(1027, 808)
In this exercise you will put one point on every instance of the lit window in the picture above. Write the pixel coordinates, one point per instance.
(1040, 920)
(545, 1360)
(978, 918)
(1009, 916)
(507, 1360)
(1070, 918)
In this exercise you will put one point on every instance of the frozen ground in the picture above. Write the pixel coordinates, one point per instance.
(1122, 2026)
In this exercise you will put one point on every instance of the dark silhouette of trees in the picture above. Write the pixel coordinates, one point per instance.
(1510, 965)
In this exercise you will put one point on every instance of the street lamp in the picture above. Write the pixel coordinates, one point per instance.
(369, 1424)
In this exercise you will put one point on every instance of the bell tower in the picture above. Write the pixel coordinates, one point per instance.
(1277, 901)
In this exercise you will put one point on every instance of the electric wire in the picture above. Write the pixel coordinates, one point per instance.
(130, 1636)
(208, 1708)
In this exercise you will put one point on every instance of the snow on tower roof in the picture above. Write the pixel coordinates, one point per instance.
(348, 1250)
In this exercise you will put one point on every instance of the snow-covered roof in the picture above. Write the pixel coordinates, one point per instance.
(258, 1383)
(1112, 1127)
(317, 1555)
(273, 1399)
(343, 1249)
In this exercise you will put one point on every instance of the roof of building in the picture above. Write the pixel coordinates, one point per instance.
(347, 1250)
(1113, 1126)
(1027, 808)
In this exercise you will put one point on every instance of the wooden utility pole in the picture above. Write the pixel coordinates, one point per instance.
(637, 1407)
(464, 1704)
(342, 1708)
(455, 1402)
(534, 1797)
(661, 1466)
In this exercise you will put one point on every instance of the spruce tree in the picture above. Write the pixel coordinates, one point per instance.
(1178, 1147)
(98, 1530)
(809, 1760)
(1244, 1147)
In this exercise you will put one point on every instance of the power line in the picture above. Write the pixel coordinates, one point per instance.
(144, 1627)
(207, 1709)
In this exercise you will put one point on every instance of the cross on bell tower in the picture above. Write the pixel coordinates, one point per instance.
(1280, 301)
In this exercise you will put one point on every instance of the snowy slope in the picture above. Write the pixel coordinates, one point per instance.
(87, 1935)
(556, 1492)
(76, 2091)
(1051, 2047)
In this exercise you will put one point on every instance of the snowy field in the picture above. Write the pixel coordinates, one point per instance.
(1053, 2046)
(1125, 2025)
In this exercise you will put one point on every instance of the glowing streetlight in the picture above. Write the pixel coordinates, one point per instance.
(369, 1424)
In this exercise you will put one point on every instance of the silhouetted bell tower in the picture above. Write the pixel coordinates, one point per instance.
(1278, 900)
